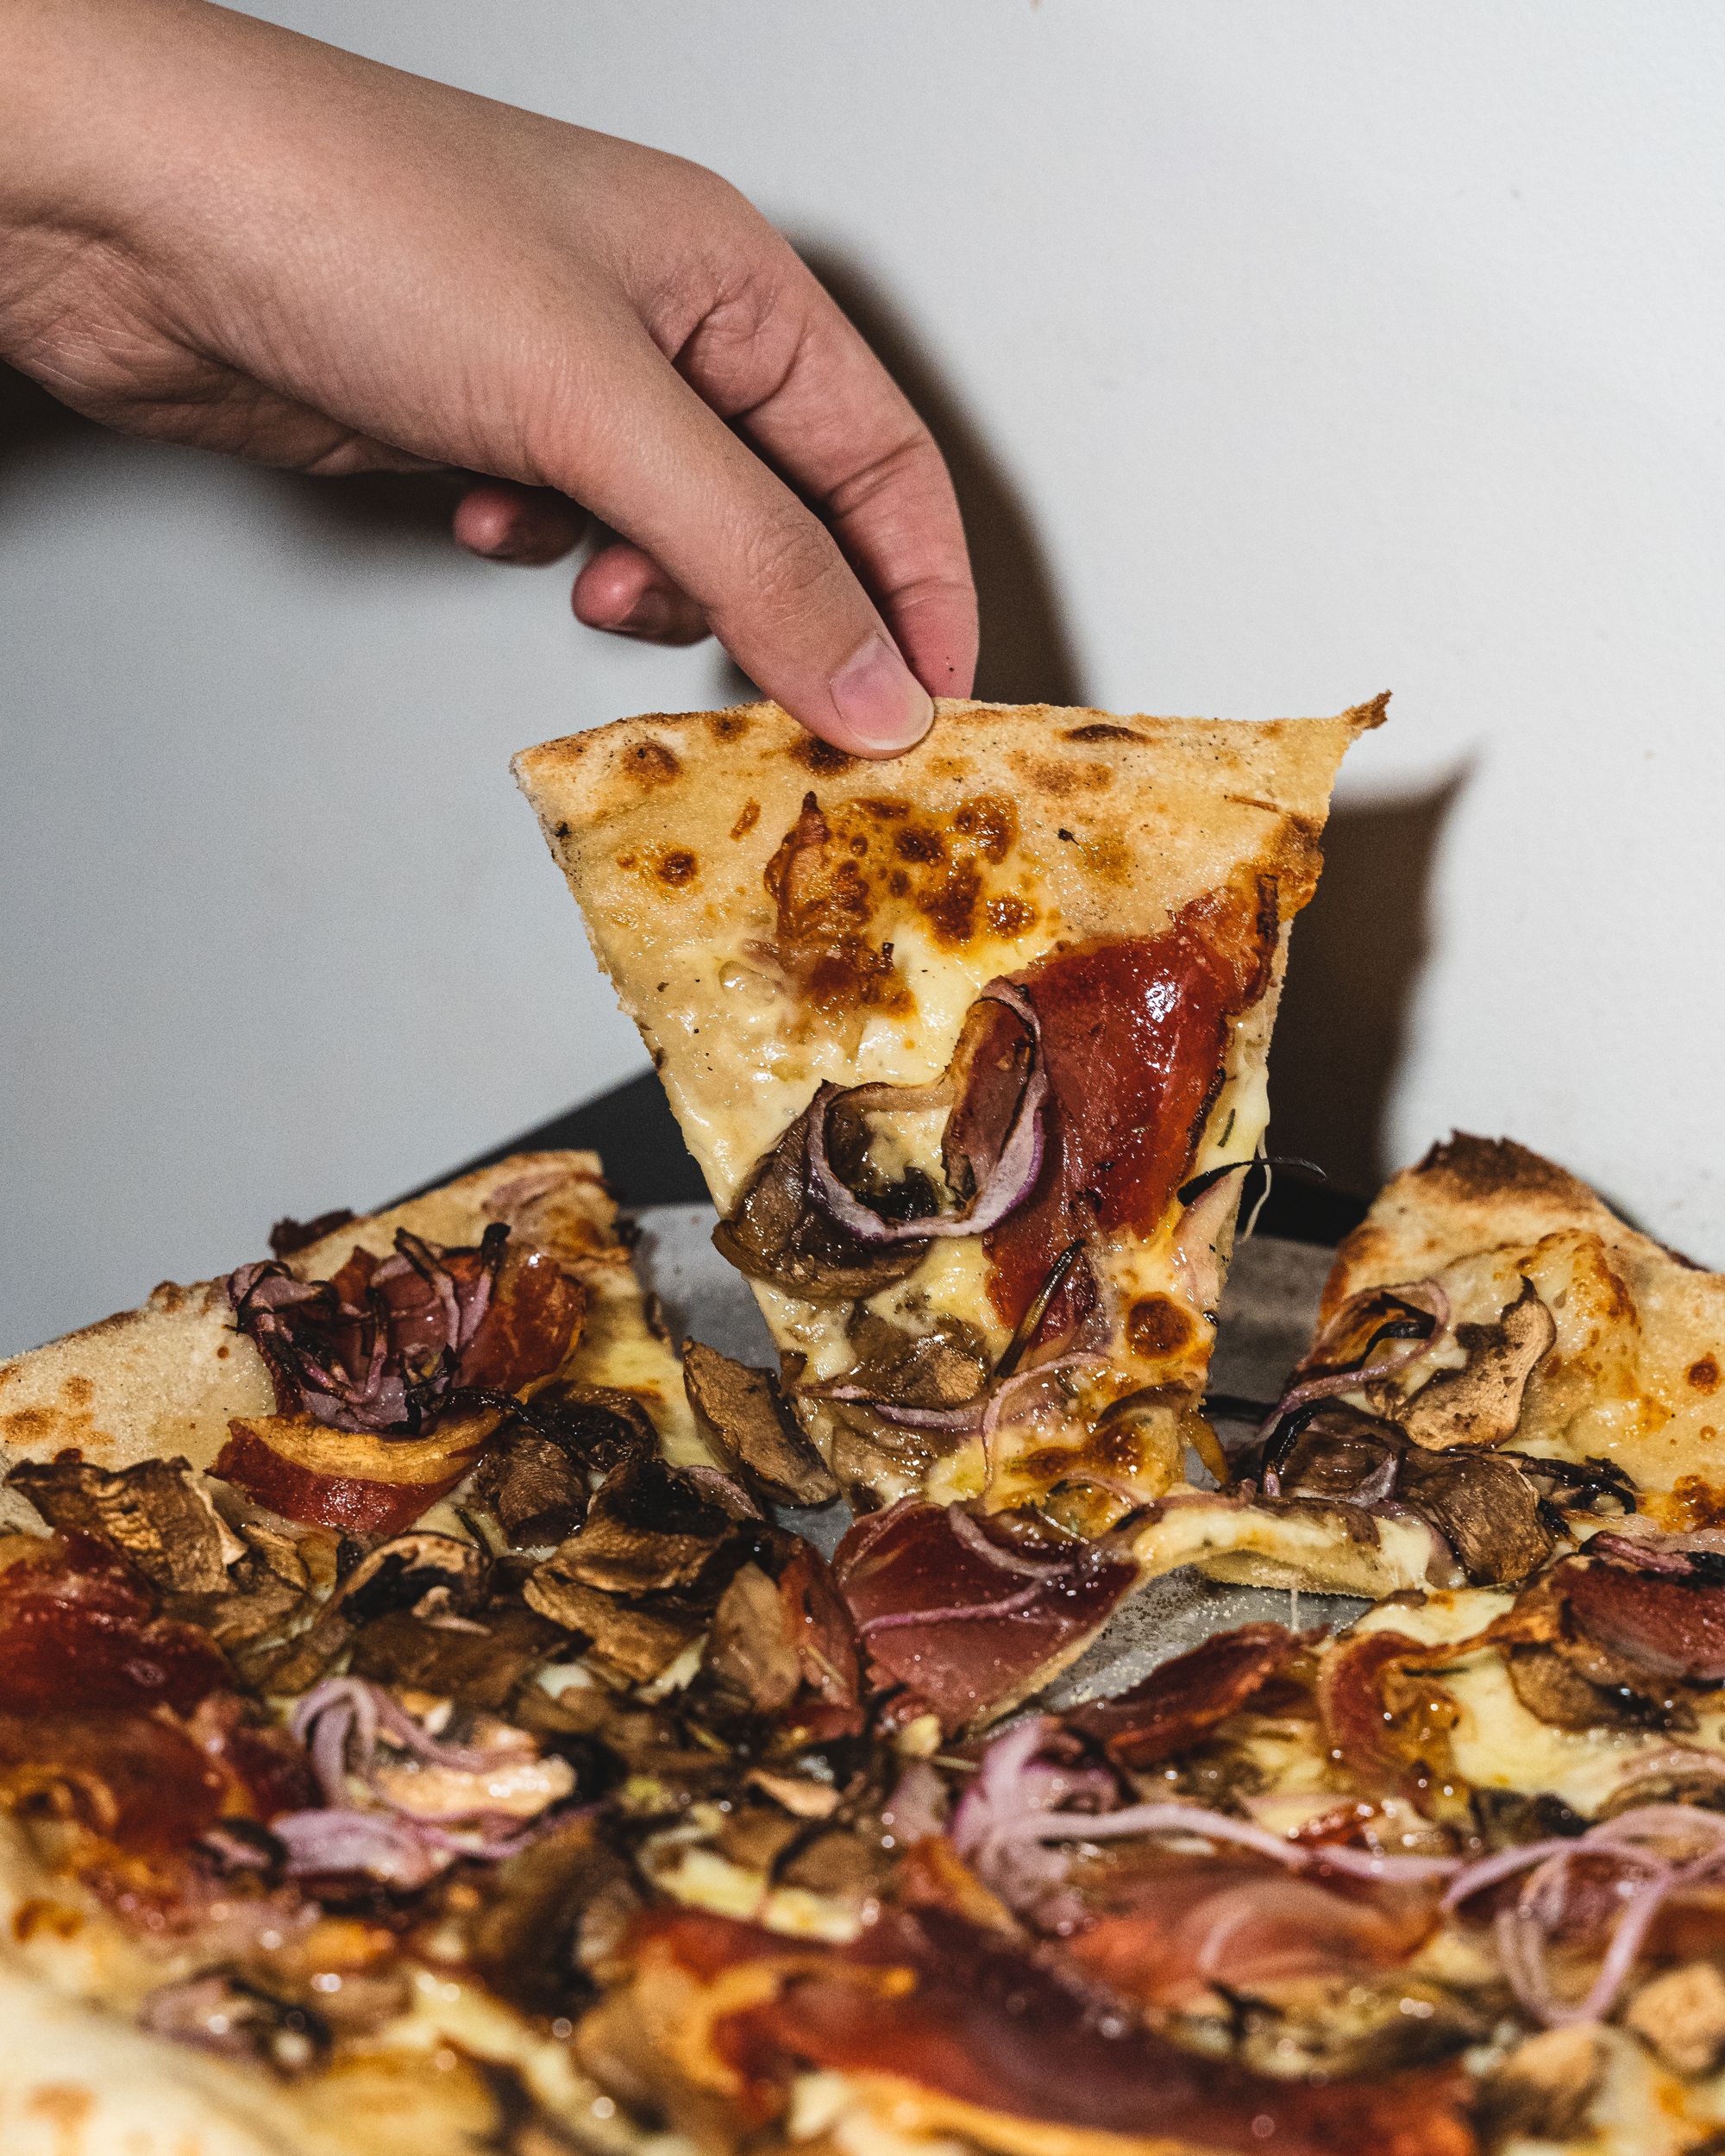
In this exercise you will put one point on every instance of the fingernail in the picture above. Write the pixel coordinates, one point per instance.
(652, 614)
(885, 708)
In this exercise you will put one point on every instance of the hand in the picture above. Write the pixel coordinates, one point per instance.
(218, 232)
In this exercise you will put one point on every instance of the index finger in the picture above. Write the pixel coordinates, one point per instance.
(783, 363)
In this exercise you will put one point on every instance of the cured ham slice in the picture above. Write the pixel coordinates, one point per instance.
(968, 1615)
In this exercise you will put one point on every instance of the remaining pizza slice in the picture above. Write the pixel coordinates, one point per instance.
(354, 1380)
(966, 1045)
(1503, 1367)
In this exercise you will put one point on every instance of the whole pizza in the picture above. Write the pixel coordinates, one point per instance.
(429, 1722)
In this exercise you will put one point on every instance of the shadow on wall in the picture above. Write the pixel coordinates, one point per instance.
(1353, 964)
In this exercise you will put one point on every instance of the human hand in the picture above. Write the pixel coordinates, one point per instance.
(215, 231)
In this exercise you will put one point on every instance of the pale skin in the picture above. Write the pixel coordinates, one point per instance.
(214, 231)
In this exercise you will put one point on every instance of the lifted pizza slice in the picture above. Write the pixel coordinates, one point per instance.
(1502, 1368)
(971, 1047)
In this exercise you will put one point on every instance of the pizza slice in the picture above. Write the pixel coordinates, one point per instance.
(970, 1048)
(354, 1379)
(1502, 1368)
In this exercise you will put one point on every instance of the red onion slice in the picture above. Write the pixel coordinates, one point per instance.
(966, 1415)
(953, 1614)
(1421, 1294)
(1522, 1932)
(378, 1844)
(976, 1540)
(1008, 1184)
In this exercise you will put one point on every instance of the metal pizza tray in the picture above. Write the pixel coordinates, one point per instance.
(1267, 1319)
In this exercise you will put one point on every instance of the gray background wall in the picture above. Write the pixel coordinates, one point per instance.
(1286, 352)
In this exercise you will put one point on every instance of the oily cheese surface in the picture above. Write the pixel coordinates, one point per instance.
(1637, 1371)
(1008, 829)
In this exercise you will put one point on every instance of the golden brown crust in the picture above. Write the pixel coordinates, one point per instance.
(1468, 1194)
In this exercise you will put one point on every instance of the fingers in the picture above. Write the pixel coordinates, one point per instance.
(669, 475)
(794, 374)
(524, 524)
(622, 590)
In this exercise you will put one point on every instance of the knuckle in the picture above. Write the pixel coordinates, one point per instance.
(791, 566)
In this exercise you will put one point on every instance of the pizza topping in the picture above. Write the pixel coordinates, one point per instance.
(994, 1156)
(1480, 1403)
(964, 1632)
(654, 1528)
(1646, 1857)
(601, 1426)
(954, 2008)
(746, 1420)
(382, 1346)
(222, 2013)
(1387, 1723)
(132, 1777)
(1131, 1035)
(78, 1631)
(1670, 1624)
(1180, 1702)
(536, 1493)
(1485, 1507)
(776, 1233)
(1369, 1338)
(333, 1844)
(358, 1733)
(1182, 1926)
(154, 1514)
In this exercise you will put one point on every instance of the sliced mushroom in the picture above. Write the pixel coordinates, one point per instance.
(1481, 1402)
(943, 1367)
(154, 1514)
(1681, 2015)
(479, 1664)
(632, 1645)
(744, 1417)
(255, 1605)
(1485, 1507)
(650, 1529)
(1544, 2088)
(432, 1574)
(524, 1937)
(751, 1652)
(533, 1487)
(776, 1233)
(601, 1426)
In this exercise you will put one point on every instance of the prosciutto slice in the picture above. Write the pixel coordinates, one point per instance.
(966, 1610)
(1670, 1622)
(1188, 1696)
(962, 2014)
(1133, 1032)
